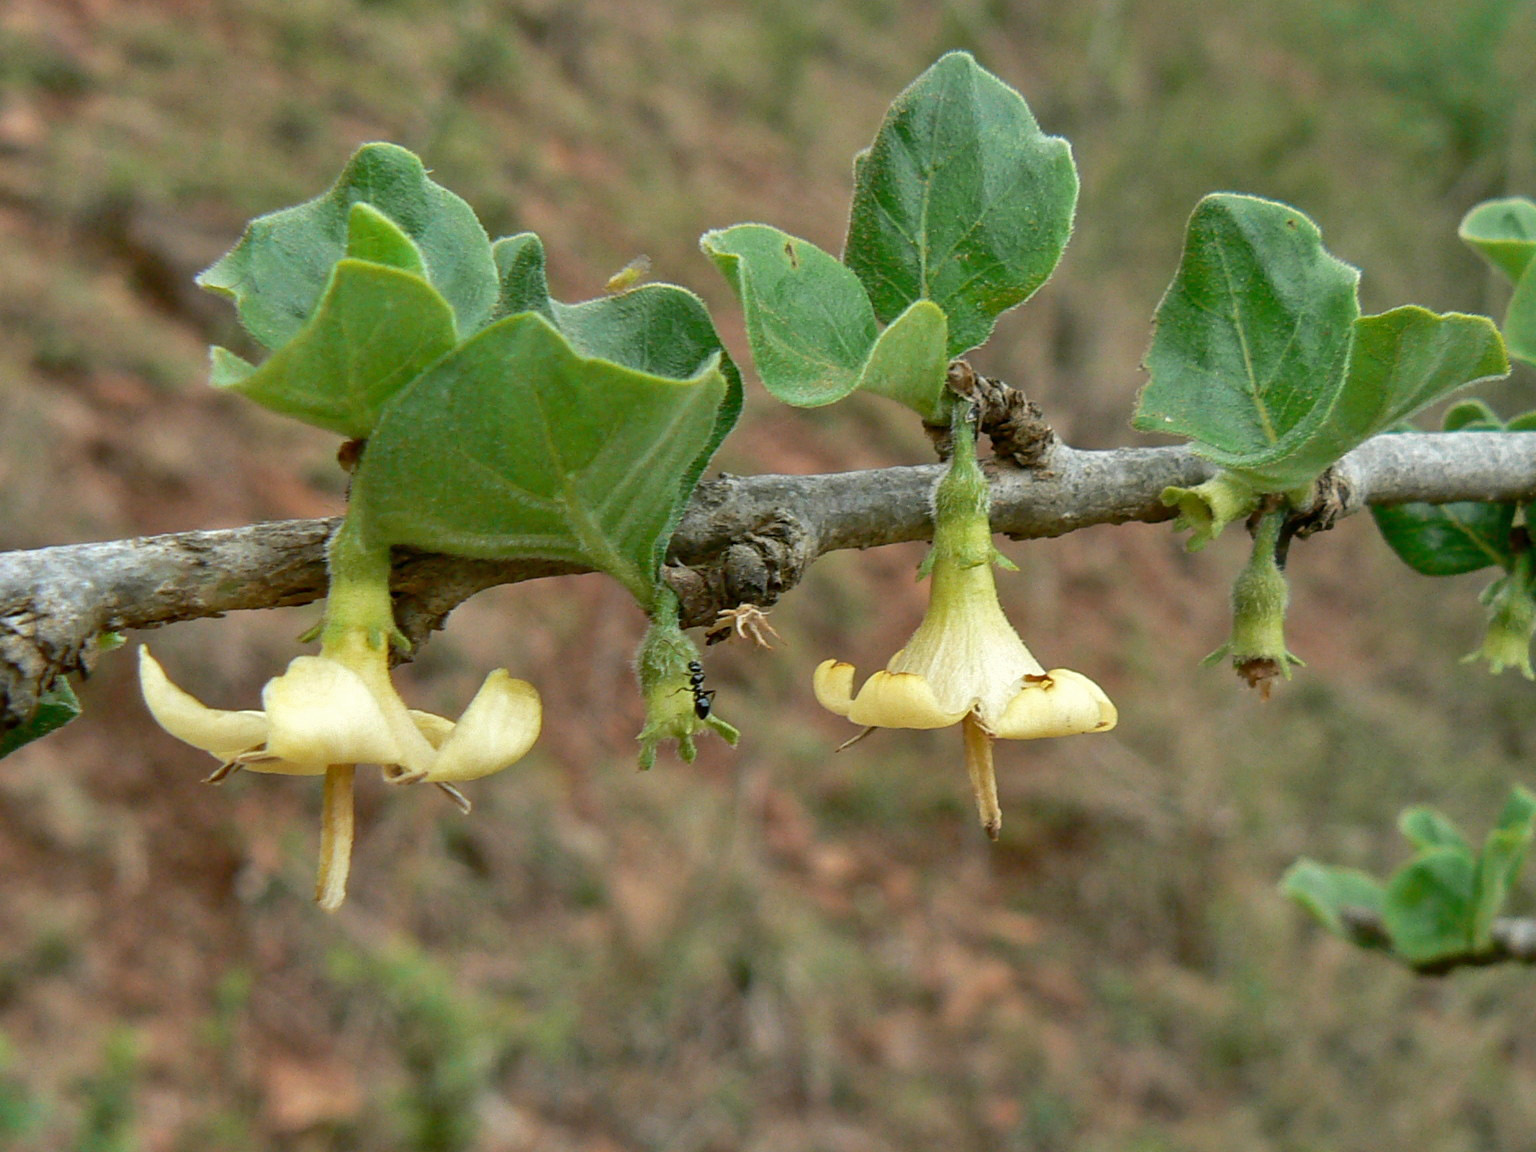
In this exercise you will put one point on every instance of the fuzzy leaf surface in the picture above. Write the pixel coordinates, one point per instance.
(515, 445)
(1503, 232)
(1452, 539)
(1252, 337)
(279, 269)
(1447, 539)
(660, 329)
(961, 199)
(374, 330)
(809, 322)
(1504, 854)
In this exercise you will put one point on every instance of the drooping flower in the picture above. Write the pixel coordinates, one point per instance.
(328, 713)
(965, 663)
(322, 718)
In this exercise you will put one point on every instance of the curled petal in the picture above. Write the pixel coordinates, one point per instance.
(1066, 703)
(496, 730)
(322, 713)
(833, 684)
(900, 700)
(221, 734)
(435, 728)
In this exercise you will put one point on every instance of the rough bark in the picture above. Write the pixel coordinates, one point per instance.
(744, 539)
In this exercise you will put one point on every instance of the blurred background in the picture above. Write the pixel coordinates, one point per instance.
(775, 949)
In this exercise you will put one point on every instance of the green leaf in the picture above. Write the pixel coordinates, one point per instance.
(373, 332)
(1252, 337)
(809, 323)
(1447, 539)
(1473, 414)
(1452, 539)
(56, 707)
(1331, 893)
(656, 328)
(1503, 232)
(374, 237)
(1261, 358)
(1503, 856)
(1425, 828)
(910, 361)
(1520, 319)
(1431, 904)
(520, 272)
(961, 200)
(278, 271)
(1525, 422)
(812, 331)
(661, 330)
(514, 445)
(1400, 362)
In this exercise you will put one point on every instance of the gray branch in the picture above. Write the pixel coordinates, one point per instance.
(1511, 940)
(744, 539)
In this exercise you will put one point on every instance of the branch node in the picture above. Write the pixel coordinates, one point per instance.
(1015, 424)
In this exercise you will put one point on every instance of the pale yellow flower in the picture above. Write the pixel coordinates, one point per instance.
(965, 664)
(328, 713)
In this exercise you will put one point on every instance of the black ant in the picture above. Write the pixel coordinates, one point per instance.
(703, 698)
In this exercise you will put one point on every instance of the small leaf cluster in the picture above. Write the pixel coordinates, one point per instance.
(1468, 536)
(498, 421)
(1261, 358)
(961, 209)
(1442, 908)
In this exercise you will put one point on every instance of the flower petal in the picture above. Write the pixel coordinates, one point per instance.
(223, 735)
(1067, 703)
(435, 728)
(322, 713)
(833, 684)
(900, 700)
(496, 730)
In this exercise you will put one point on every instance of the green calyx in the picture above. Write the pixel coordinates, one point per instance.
(962, 502)
(358, 607)
(1511, 604)
(1259, 598)
(1208, 508)
(672, 698)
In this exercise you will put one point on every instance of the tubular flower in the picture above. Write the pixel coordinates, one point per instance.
(328, 713)
(322, 717)
(965, 663)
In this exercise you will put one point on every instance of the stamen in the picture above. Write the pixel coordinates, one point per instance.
(849, 743)
(223, 772)
(459, 799)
